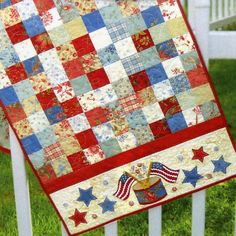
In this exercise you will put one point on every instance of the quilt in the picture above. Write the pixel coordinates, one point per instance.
(112, 105)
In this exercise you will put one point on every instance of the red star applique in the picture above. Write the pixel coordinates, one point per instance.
(78, 217)
(199, 154)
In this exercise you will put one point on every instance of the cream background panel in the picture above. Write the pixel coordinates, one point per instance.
(177, 157)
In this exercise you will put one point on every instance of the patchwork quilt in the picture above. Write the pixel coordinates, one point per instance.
(112, 105)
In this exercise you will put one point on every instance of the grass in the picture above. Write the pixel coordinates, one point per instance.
(220, 204)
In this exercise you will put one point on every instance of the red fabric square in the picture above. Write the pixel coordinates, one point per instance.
(71, 107)
(142, 40)
(47, 99)
(17, 33)
(197, 77)
(77, 161)
(43, 6)
(42, 42)
(96, 116)
(139, 80)
(160, 128)
(73, 68)
(46, 173)
(15, 1)
(170, 106)
(16, 73)
(83, 45)
(98, 78)
(15, 112)
(86, 139)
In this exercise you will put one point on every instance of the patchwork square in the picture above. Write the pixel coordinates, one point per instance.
(42, 42)
(176, 122)
(16, 73)
(98, 78)
(24, 89)
(180, 83)
(132, 64)
(34, 26)
(93, 21)
(110, 147)
(71, 107)
(152, 16)
(118, 31)
(17, 33)
(103, 132)
(33, 66)
(96, 116)
(79, 123)
(8, 96)
(149, 57)
(115, 71)
(83, 45)
(160, 128)
(135, 23)
(31, 144)
(55, 114)
(25, 49)
(53, 151)
(108, 55)
(125, 48)
(139, 80)
(100, 38)
(156, 74)
(167, 50)
(142, 40)
(81, 85)
(86, 139)
(170, 106)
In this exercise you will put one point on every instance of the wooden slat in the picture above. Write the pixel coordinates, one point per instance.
(232, 11)
(220, 7)
(213, 10)
(226, 8)
(198, 213)
(21, 188)
(155, 221)
(111, 229)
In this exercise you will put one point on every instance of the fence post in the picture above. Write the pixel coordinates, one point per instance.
(155, 221)
(202, 16)
(191, 13)
(21, 188)
(111, 229)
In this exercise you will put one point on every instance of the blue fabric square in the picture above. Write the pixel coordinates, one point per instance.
(55, 114)
(8, 96)
(167, 50)
(156, 74)
(180, 83)
(34, 26)
(108, 55)
(93, 21)
(33, 66)
(5, 3)
(177, 122)
(152, 16)
(31, 144)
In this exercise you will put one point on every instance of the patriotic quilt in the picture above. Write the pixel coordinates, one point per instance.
(112, 105)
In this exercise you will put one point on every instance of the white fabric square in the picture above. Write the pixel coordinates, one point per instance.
(115, 71)
(144, 4)
(101, 3)
(127, 141)
(25, 49)
(88, 101)
(153, 112)
(51, 19)
(38, 121)
(4, 80)
(193, 116)
(163, 90)
(100, 38)
(170, 10)
(26, 9)
(103, 132)
(173, 67)
(184, 43)
(125, 48)
(79, 123)
(105, 94)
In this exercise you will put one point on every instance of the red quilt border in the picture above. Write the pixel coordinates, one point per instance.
(157, 204)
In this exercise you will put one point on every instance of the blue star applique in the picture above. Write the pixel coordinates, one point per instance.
(221, 165)
(107, 205)
(86, 196)
(191, 176)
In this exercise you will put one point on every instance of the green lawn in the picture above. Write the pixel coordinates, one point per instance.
(220, 206)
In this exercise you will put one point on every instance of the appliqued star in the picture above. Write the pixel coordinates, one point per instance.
(191, 176)
(107, 205)
(199, 154)
(78, 217)
(86, 196)
(221, 165)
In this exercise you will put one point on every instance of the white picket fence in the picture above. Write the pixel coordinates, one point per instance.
(203, 15)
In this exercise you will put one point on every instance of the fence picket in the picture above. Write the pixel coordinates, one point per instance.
(220, 6)
(155, 221)
(63, 231)
(111, 229)
(21, 188)
(198, 213)
(226, 8)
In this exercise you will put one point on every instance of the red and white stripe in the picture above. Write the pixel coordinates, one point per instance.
(123, 189)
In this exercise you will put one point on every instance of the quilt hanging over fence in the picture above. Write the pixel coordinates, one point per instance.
(112, 105)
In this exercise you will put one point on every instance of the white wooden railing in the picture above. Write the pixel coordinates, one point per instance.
(211, 44)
